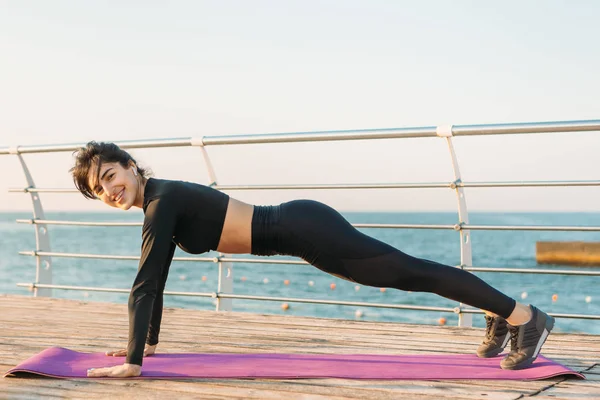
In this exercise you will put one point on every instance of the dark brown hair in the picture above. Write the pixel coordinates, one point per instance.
(95, 154)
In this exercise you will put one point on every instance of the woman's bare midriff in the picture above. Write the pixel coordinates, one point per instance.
(236, 237)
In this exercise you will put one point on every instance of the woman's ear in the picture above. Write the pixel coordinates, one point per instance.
(133, 167)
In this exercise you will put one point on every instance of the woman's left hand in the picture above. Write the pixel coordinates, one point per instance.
(118, 371)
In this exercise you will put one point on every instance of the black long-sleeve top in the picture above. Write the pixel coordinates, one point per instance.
(185, 214)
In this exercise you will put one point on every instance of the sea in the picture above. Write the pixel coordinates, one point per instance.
(514, 249)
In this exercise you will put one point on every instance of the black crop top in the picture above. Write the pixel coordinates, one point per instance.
(185, 214)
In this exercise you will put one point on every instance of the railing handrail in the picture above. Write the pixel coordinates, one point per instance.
(320, 136)
(217, 295)
(279, 261)
(454, 227)
(346, 186)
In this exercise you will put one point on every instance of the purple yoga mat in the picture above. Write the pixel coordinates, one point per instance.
(59, 362)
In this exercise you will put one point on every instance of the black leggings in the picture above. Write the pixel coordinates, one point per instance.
(321, 236)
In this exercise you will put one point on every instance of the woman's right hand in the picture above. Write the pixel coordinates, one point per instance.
(148, 351)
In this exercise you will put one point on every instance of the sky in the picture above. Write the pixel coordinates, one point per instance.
(75, 71)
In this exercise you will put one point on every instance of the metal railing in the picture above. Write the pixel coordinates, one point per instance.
(43, 282)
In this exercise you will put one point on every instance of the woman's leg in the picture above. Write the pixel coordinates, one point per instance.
(333, 245)
(322, 237)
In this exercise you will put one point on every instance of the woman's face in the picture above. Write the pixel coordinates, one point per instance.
(116, 186)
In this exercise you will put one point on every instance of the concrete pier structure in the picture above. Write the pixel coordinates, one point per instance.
(568, 253)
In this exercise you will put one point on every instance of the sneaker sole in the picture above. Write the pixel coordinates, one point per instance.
(490, 354)
(526, 363)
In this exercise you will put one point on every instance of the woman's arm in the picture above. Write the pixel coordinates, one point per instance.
(157, 310)
(155, 319)
(157, 253)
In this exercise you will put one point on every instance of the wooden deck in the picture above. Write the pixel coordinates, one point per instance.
(29, 325)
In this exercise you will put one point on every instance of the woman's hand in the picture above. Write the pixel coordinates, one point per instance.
(118, 371)
(148, 351)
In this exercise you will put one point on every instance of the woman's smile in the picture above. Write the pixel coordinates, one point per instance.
(120, 195)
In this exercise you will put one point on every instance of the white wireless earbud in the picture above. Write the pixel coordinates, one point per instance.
(135, 172)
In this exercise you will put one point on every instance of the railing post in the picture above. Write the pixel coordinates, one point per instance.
(225, 284)
(466, 256)
(225, 268)
(43, 273)
(199, 142)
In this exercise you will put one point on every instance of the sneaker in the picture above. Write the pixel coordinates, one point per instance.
(527, 340)
(496, 337)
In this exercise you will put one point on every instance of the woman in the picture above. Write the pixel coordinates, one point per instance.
(198, 219)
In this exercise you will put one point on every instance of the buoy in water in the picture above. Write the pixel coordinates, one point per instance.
(524, 295)
(442, 321)
(266, 280)
(285, 306)
(554, 297)
(286, 282)
(382, 290)
(358, 313)
(311, 283)
(332, 286)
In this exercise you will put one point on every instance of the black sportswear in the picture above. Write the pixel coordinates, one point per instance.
(191, 216)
